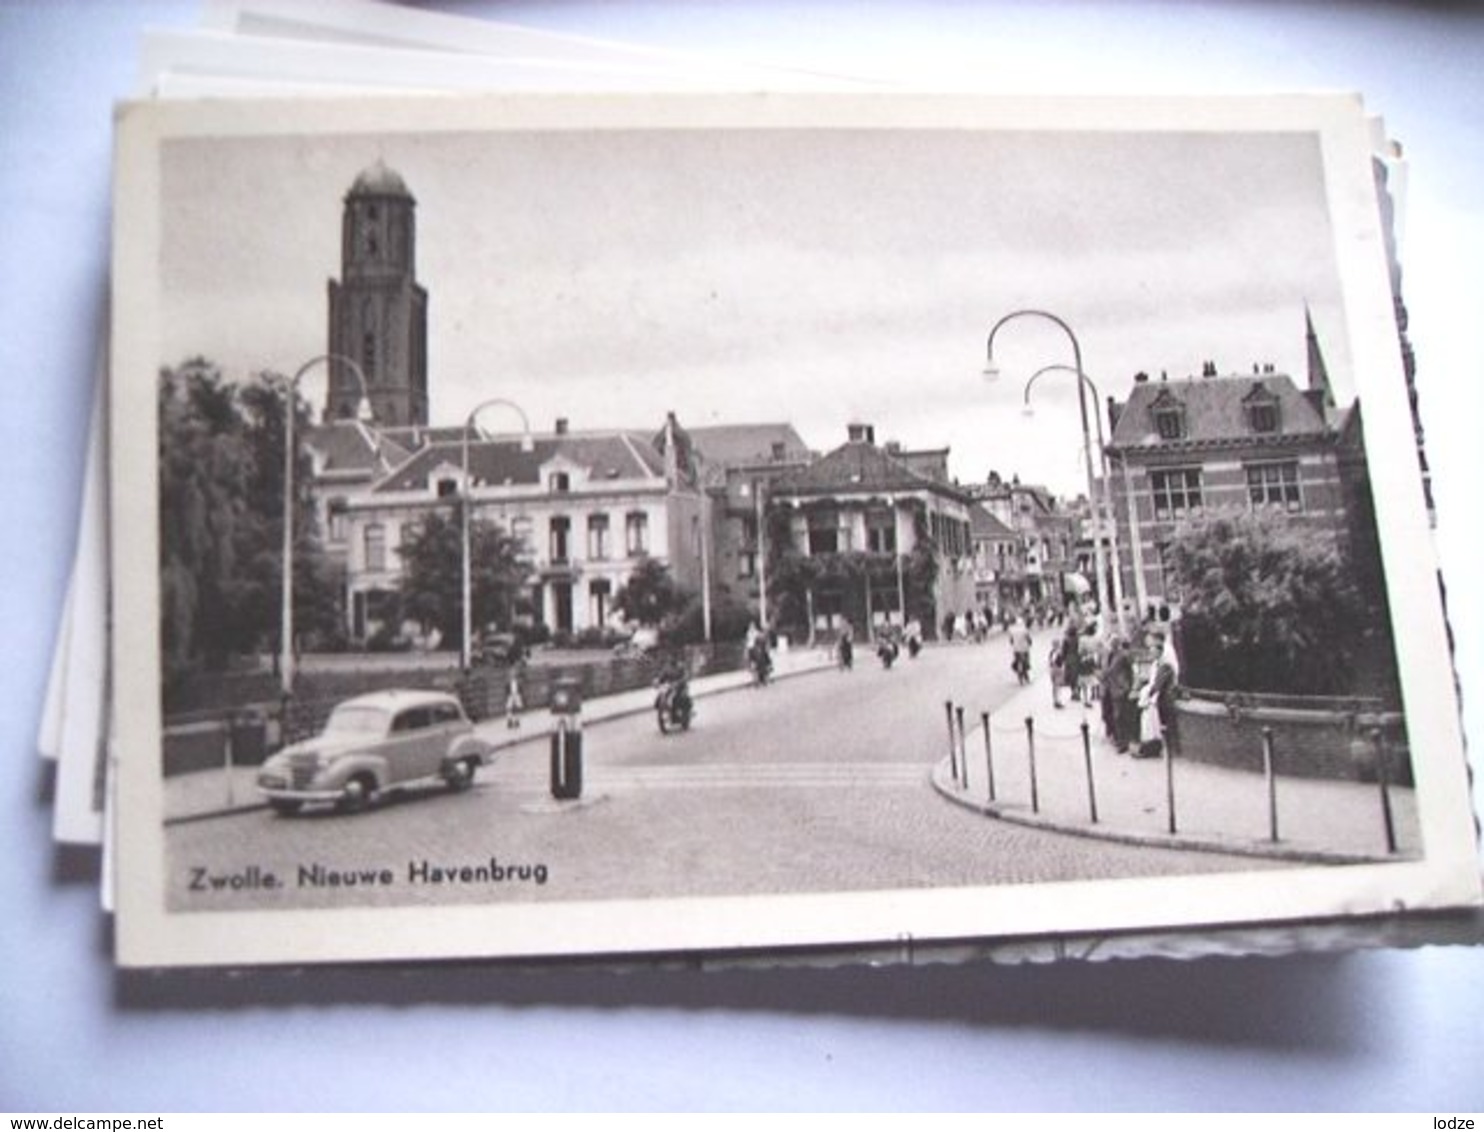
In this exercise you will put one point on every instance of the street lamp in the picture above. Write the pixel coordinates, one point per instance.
(992, 371)
(286, 613)
(467, 497)
(1106, 494)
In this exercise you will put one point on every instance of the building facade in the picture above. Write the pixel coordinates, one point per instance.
(1182, 448)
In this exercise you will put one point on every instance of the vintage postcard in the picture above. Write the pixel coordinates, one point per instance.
(618, 525)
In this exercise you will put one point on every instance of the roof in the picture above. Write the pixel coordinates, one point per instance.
(858, 467)
(605, 456)
(1215, 411)
(379, 181)
(352, 446)
(747, 444)
(413, 437)
(985, 525)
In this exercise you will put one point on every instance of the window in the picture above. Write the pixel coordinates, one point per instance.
(1274, 485)
(747, 540)
(636, 533)
(881, 532)
(1169, 423)
(559, 483)
(448, 488)
(1263, 418)
(339, 521)
(597, 537)
(824, 533)
(375, 546)
(413, 719)
(368, 353)
(561, 537)
(1261, 408)
(1176, 491)
(599, 596)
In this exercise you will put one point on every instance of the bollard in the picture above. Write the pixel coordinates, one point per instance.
(228, 756)
(1169, 783)
(1272, 782)
(1092, 792)
(988, 754)
(952, 742)
(963, 750)
(566, 741)
(1030, 752)
(1378, 742)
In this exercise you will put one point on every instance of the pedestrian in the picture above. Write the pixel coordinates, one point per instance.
(1020, 650)
(514, 702)
(1157, 698)
(1066, 657)
(948, 626)
(845, 646)
(1120, 716)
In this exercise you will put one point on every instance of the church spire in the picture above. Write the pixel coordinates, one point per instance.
(1318, 371)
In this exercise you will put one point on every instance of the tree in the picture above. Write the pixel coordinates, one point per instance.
(432, 586)
(221, 519)
(1268, 605)
(650, 595)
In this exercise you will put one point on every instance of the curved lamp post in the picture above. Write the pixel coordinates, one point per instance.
(286, 614)
(1106, 493)
(526, 445)
(991, 371)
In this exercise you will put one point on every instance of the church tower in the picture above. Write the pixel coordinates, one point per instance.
(378, 313)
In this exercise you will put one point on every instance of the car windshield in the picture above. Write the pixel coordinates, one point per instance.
(357, 719)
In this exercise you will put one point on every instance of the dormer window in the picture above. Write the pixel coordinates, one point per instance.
(560, 482)
(448, 487)
(1169, 417)
(1261, 408)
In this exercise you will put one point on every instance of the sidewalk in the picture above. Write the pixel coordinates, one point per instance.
(216, 792)
(1216, 809)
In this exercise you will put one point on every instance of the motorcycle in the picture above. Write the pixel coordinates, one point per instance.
(673, 706)
(1022, 667)
(761, 664)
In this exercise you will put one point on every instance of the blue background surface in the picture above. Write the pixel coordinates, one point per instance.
(1374, 1031)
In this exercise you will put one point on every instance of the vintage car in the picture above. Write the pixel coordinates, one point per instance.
(375, 743)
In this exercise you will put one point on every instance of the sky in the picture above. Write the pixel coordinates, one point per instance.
(817, 276)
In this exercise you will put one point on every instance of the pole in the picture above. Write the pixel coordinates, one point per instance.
(762, 556)
(1092, 793)
(1169, 784)
(706, 564)
(1271, 781)
(1030, 752)
(952, 744)
(286, 612)
(1383, 780)
(466, 645)
(963, 750)
(988, 754)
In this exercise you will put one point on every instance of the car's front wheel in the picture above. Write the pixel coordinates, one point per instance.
(359, 793)
(460, 774)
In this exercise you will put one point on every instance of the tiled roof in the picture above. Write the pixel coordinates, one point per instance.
(748, 444)
(350, 446)
(413, 437)
(604, 455)
(984, 525)
(1215, 411)
(856, 467)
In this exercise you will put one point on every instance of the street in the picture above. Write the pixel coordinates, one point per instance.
(815, 783)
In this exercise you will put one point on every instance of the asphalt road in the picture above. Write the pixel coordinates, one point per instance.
(817, 783)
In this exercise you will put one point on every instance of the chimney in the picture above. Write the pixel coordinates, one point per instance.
(561, 426)
(1115, 410)
(862, 433)
(1141, 378)
(894, 447)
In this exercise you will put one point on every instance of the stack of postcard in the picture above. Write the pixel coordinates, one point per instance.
(569, 500)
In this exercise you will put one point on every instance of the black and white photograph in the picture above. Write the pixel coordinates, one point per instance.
(573, 526)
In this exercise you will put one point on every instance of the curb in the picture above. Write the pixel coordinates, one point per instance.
(944, 785)
(526, 737)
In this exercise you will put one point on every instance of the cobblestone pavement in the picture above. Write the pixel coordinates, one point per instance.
(819, 783)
